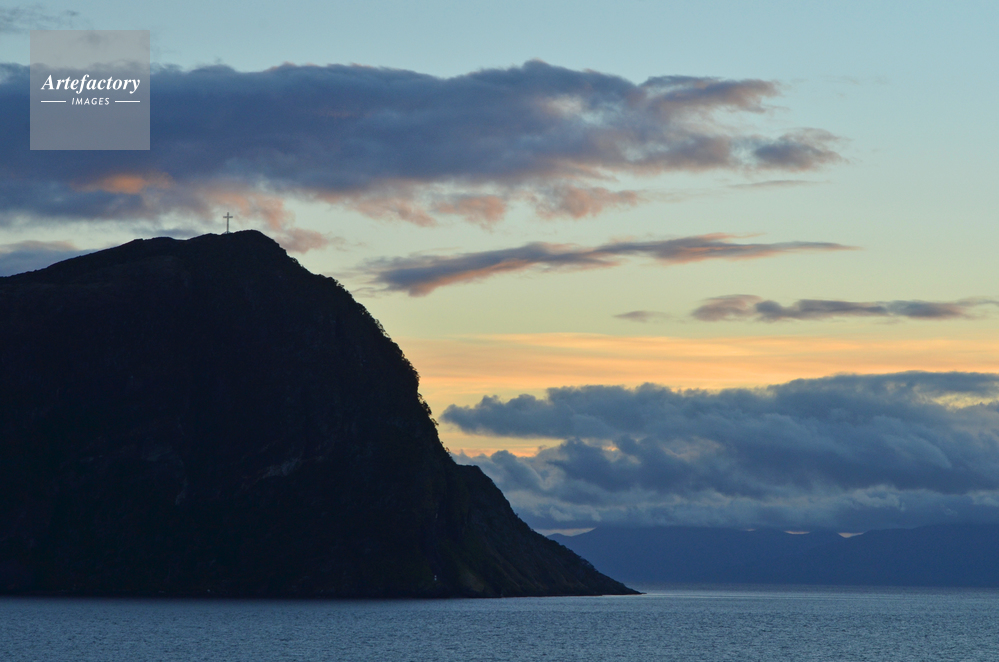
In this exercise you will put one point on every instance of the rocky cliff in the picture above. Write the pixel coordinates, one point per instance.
(208, 417)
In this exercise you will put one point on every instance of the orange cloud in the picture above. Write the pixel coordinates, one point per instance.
(399, 206)
(249, 204)
(577, 202)
(131, 184)
(485, 210)
(246, 204)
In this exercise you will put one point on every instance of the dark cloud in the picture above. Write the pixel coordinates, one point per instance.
(31, 255)
(643, 316)
(847, 451)
(749, 307)
(800, 150)
(421, 274)
(24, 18)
(393, 143)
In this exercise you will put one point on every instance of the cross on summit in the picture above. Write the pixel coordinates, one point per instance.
(227, 217)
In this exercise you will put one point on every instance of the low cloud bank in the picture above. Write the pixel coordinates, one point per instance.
(850, 452)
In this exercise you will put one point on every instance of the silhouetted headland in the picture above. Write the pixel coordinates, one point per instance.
(207, 417)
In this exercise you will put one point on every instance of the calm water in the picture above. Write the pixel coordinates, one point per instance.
(668, 624)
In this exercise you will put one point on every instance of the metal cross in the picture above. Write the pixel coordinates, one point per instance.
(227, 217)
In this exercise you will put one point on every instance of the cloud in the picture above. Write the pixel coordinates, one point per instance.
(750, 307)
(644, 316)
(31, 255)
(848, 451)
(24, 18)
(484, 210)
(800, 150)
(397, 144)
(419, 275)
(460, 368)
(775, 183)
(577, 201)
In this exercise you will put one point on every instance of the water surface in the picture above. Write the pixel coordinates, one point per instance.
(679, 623)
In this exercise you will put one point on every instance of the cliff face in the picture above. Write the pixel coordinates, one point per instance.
(207, 417)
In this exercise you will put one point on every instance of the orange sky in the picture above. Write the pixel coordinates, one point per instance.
(462, 369)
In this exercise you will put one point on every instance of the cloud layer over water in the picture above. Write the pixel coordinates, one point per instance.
(853, 452)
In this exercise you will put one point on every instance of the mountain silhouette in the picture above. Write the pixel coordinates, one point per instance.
(207, 417)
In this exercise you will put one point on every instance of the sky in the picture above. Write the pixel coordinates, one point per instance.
(720, 263)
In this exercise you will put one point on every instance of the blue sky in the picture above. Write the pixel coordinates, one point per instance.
(858, 200)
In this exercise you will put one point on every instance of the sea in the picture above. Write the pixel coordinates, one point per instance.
(688, 623)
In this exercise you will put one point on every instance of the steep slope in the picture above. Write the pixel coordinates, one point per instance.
(206, 416)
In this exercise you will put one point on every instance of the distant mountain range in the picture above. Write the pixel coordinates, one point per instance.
(941, 555)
